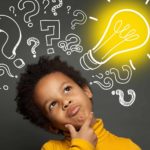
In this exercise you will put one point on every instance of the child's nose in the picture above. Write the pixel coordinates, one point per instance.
(66, 103)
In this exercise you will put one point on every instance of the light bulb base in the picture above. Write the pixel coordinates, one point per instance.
(88, 62)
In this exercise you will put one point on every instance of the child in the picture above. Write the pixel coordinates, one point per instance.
(55, 97)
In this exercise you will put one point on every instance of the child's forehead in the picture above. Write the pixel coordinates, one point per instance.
(59, 76)
(54, 79)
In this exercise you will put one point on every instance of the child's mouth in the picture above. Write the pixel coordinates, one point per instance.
(73, 110)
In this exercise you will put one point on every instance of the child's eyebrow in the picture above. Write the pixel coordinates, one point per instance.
(45, 103)
(62, 84)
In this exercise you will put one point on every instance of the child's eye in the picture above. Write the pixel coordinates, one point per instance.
(52, 105)
(67, 89)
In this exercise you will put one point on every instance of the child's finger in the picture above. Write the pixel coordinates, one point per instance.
(88, 121)
(71, 129)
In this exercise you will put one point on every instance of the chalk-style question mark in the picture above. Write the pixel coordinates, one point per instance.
(78, 21)
(36, 44)
(6, 30)
(29, 14)
(121, 97)
(8, 46)
(68, 9)
(115, 72)
(47, 3)
(56, 7)
(53, 28)
(71, 44)
(12, 8)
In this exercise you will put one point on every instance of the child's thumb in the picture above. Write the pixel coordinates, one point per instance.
(71, 129)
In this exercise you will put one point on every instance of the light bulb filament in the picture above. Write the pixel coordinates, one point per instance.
(119, 30)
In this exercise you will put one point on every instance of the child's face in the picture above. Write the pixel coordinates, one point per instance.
(62, 100)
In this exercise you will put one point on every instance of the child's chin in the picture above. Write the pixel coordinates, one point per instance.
(78, 126)
(79, 123)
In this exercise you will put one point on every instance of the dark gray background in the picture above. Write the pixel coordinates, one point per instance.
(18, 134)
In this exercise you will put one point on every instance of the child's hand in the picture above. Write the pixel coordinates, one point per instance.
(85, 132)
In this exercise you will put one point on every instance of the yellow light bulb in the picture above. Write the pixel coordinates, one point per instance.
(126, 31)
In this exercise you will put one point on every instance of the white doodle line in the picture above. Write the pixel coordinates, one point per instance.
(93, 18)
(104, 83)
(147, 1)
(148, 55)
(131, 63)
(6, 68)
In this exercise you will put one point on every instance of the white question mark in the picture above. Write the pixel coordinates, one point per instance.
(36, 44)
(71, 44)
(12, 8)
(68, 9)
(46, 26)
(115, 72)
(7, 30)
(77, 21)
(28, 15)
(74, 45)
(56, 7)
(121, 97)
(48, 2)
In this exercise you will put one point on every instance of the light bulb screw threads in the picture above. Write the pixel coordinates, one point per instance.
(88, 62)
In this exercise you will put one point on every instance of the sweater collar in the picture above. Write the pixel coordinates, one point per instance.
(99, 129)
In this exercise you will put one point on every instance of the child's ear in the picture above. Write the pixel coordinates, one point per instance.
(87, 91)
(53, 129)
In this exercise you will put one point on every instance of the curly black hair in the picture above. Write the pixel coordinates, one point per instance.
(28, 80)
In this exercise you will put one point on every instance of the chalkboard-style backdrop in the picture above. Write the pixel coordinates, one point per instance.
(108, 40)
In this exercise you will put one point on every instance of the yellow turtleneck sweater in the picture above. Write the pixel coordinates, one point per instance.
(106, 141)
